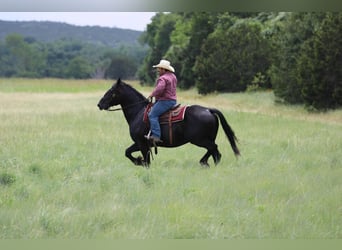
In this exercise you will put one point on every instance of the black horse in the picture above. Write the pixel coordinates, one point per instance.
(199, 127)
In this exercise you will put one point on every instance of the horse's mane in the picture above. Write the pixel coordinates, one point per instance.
(134, 91)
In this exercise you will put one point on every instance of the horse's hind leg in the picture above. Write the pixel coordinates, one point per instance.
(216, 156)
(211, 151)
(204, 159)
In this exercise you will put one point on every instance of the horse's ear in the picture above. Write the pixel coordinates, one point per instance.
(118, 81)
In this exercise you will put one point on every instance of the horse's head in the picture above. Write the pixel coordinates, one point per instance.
(111, 98)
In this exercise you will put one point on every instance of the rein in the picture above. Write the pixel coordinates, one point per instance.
(128, 106)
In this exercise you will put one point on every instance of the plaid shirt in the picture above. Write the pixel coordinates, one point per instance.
(166, 87)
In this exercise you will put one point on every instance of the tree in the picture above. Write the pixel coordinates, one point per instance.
(320, 65)
(121, 67)
(157, 37)
(7, 63)
(180, 39)
(65, 58)
(293, 31)
(78, 68)
(24, 57)
(191, 30)
(230, 59)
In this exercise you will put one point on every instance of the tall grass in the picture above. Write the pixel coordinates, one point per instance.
(51, 85)
(64, 173)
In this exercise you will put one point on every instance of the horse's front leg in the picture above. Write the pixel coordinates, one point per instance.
(146, 152)
(137, 161)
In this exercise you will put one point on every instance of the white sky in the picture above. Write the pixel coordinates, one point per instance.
(124, 20)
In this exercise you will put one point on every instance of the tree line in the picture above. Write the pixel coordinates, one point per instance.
(298, 55)
(22, 56)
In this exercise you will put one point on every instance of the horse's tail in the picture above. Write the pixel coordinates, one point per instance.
(228, 131)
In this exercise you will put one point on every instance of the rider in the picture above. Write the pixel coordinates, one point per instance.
(165, 95)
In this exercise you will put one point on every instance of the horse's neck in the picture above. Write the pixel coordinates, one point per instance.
(131, 108)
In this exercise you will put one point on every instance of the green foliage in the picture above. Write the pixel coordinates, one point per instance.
(259, 82)
(191, 30)
(308, 65)
(231, 59)
(65, 53)
(157, 37)
(294, 30)
(70, 52)
(177, 52)
(121, 67)
(295, 53)
(24, 58)
(79, 68)
(65, 59)
(320, 65)
(202, 24)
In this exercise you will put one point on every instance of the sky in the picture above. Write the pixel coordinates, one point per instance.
(125, 20)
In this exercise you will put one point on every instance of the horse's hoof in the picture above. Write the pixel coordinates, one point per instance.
(204, 164)
(139, 161)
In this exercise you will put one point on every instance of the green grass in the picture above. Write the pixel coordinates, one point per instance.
(10, 85)
(63, 173)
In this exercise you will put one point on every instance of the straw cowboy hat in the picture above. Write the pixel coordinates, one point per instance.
(165, 64)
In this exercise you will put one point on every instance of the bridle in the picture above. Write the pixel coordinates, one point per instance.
(128, 106)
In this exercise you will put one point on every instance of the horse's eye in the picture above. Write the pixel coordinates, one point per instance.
(113, 95)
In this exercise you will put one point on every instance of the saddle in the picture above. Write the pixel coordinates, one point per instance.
(175, 114)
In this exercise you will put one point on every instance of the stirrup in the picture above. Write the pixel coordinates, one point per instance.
(152, 138)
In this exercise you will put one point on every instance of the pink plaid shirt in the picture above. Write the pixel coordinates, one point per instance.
(166, 87)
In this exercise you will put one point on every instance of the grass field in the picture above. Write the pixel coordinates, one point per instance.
(63, 173)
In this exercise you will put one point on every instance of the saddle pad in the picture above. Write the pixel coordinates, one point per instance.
(174, 115)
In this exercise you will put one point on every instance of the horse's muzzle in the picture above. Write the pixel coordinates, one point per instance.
(99, 106)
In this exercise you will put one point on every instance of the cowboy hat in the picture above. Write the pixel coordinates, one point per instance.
(165, 64)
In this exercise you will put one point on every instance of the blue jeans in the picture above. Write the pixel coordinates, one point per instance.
(158, 109)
